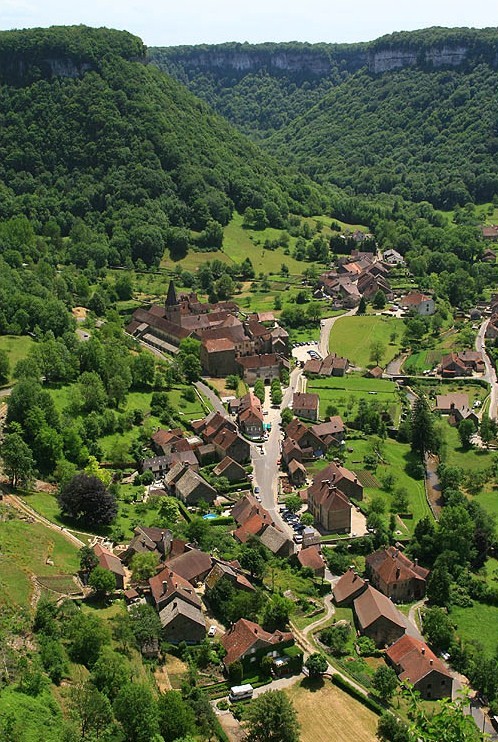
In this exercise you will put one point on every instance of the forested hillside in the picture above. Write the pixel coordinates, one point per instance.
(413, 114)
(123, 149)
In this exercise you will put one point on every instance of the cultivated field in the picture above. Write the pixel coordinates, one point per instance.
(352, 337)
(327, 714)
(344, 393)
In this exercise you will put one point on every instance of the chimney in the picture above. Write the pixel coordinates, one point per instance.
(165, 586)
(398, 572)
(431, 662)
(423, 650)
(415, 561)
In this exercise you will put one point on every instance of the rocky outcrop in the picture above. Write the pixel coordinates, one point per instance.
(385, 60)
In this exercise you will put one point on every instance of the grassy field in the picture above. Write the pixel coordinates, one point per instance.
(352, 337)
(24, 549)
(397, 458)
(345, 392)
(478, 623)
(16, 347)
(129, 514)
(456, 338)
(327, 714)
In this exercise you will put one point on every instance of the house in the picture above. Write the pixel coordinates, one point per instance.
(297, 473)
(245, 508)
(280, 343)
(253, 526)
(108, 561)
(276, 541)
(182, 622)
(206, 454)
(473, 360)
(250, 416)
(488, 256)
(446, 404)
(378, 618)
(420, 303)
(416, 664)
(393, 257)
(331, 365)
(306, 405)
(188, 486)
(349, 586)
(225, 571)
(310, 537)
(492, 327)
(312, 558)
(148, 539)
(230, 443)
(247, 642)
(162, 440)
(167, 586)
(331, 432)
(489, 232)
(193, 565)
(452, 365)
(392, 573)
(264, 366)
(330, 507)
(218, 356)
(310, 444)
(342, 478)
(291, 451)
(375, 373)
(369, 284)
(231, 470)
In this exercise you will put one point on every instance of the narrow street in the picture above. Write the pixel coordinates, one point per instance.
(490, 374)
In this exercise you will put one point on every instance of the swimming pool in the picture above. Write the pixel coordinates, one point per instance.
(209, 516)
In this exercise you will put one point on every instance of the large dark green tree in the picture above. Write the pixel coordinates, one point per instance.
(86, 498)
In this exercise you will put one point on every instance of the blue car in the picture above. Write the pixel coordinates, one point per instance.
(256, 490)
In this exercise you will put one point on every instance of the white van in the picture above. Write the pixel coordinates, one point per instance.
(240, 692)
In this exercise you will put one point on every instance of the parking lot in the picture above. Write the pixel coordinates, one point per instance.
(306, 351)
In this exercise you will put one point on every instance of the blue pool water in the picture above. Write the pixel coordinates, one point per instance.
(209, 516)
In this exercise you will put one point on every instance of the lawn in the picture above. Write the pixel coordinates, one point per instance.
(16, 347)
(24, 549)
(456, 338)
(352, 337)
(478, 623)
(327, 714)
(397, 458)
(344, 393)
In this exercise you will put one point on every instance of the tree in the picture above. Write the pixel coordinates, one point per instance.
(110, 672)
(143, 370)
(91, 709)
(176, 718)
(4, 367)
(87, 634)
(253, 561)
(232, 381)
(143, 565)
(276, 612)
(438, 627)
(169, 510)
(293, 503)
(272, 718)
(391, 729)
(145, 624)
(287, 416)
(18, 462)
(377, 351)
(488, 429)
(385, 682)
(379, 300)
(235, 672)
(307, 519)
(86, 498)
(438, 585)
(466, 430)
(422, 427)
(316, 664)
(136, 710)
(362, 306)
(102, 581)
(336, 638)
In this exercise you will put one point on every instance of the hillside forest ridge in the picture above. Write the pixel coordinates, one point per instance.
(248, 390)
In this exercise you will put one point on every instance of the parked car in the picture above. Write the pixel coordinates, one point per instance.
(298, 539)
(256, 490)
(212, 631)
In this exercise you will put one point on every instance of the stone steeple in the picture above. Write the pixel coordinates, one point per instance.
(171, 299)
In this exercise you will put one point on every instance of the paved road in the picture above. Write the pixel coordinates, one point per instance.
(490, 374)
(6, 392)
(213, 398)
(265, 466)
(327, 325)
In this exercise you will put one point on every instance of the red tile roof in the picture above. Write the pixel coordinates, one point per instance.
(167, 583)
(372, 605)
(311, 557)
(414, 659)
(392, 566)
(305, 401)
(191, 564)
(107, 560)
(244, 634)
(348, 587)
